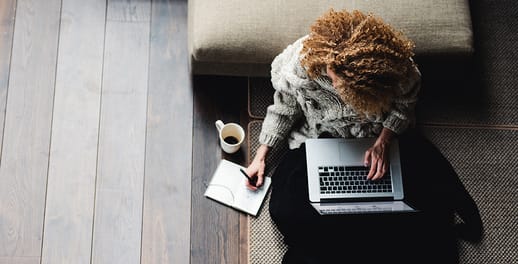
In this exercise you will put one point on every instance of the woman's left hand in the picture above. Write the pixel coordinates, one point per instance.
(377, 156)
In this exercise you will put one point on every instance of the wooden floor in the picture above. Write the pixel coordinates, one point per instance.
(107, 143)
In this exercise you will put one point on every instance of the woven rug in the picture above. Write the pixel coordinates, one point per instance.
(481, 158)
(486, 162)
(260, 96)
(263, 235)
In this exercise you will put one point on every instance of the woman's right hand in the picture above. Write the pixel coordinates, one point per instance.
(257, 167)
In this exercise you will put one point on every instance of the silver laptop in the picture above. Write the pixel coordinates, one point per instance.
(337, 178)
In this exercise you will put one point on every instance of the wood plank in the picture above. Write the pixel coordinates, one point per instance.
(73, 153)
(167, 194)
(25, 150)
(128, 11)
(20, 260)
(215, 231)
(244, 243)
(120, 176)
(7, 14)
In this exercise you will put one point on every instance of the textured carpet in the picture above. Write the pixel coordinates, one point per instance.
(260, 96)
(487, 165)
(482, 159)
(264, 236)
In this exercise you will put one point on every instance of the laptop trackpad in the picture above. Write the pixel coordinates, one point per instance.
(352, 154)
(362, 207)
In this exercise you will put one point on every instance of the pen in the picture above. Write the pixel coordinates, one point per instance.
(251, 180)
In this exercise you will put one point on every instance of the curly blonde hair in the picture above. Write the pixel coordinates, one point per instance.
(369, 57)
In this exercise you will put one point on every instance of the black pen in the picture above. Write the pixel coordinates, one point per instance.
(250, 180)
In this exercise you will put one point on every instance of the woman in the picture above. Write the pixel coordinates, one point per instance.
(353, 76)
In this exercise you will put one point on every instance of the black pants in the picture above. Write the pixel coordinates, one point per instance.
(430, 184)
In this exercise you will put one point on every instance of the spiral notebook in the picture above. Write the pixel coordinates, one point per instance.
(227, 186)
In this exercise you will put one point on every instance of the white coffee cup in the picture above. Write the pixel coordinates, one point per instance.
(231, 136)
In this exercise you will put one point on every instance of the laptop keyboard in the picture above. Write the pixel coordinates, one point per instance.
(351, 179)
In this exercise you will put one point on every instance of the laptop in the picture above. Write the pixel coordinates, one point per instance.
(337, 178)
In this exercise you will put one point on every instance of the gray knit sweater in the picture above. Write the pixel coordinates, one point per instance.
(305, 108)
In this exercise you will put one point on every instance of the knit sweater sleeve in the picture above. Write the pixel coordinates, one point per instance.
(402, 114)
(285, 110)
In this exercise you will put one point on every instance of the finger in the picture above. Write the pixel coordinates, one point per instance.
(373, 169)
(250, 186)
(260, 177)
(252, 174)
(253, 180)
(367, 158)
(380, 170)
(259, 181)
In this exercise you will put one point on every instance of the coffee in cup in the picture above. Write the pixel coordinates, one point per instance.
(231, 136)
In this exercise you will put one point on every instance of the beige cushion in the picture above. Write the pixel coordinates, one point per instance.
(235, 37)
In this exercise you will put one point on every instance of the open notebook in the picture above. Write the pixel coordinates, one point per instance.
(227, 186)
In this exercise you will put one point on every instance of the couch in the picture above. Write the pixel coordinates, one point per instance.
(241, 38)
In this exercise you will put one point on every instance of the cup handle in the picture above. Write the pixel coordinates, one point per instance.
(219, 125)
